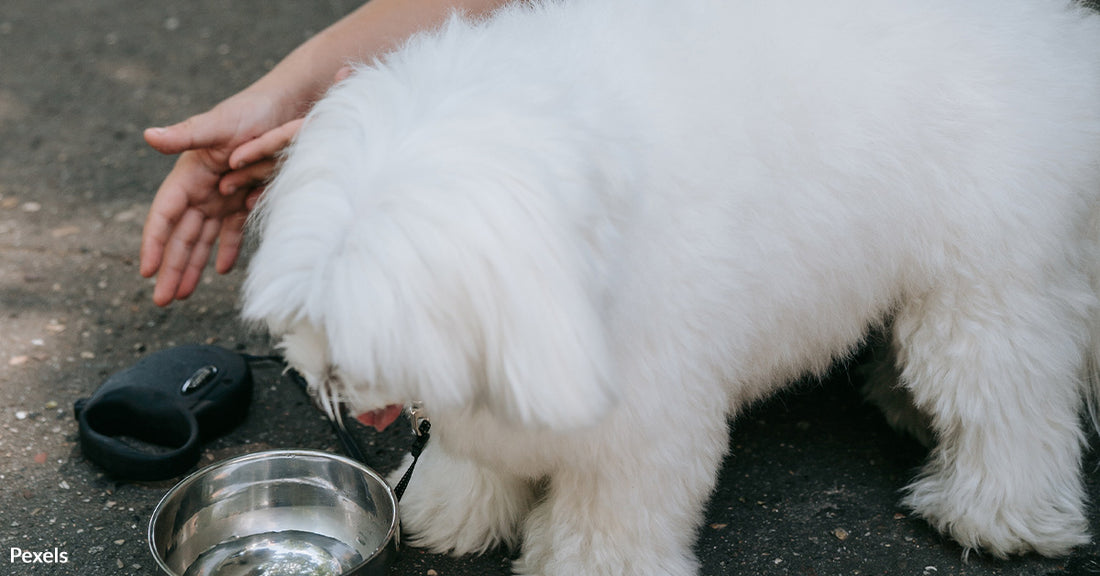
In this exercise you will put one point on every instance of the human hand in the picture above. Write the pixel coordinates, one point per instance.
(189, 213)
(254, 161)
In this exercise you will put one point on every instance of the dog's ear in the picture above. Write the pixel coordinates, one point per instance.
(545, 352)
(477, 325)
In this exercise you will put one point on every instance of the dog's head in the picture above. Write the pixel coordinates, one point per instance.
(404, 262)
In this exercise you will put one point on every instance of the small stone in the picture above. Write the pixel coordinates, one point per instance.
(126, 216)
(51, 404)
(40, 458)
(119, 542)
(87, 355)
(18, 360)
(718, 526)
(120, 564)
(432, 572)
(38, 342)
(31, 207)
(63, 485)
(64, 231)
(21, 415)
(840, 533)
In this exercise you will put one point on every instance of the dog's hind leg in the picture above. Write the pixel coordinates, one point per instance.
(996, 362)
(452, 505)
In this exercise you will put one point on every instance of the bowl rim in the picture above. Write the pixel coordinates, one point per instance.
(392, 535)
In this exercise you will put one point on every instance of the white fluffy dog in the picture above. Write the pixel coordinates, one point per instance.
(586, 232)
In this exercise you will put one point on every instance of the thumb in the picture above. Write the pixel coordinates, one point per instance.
(199, 131)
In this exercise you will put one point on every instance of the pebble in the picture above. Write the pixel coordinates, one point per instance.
(64, 231)
(64, 485)
(432, 572)
(840, 533)
(18, 360)
(21, 415)
(31, 206)
(120, 542)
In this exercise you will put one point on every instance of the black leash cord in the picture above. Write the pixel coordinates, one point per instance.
(422, 436)
(347, 442)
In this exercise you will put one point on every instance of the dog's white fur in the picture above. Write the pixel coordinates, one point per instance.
(586, 232)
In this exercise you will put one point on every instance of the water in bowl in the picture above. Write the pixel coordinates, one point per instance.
(284, 553)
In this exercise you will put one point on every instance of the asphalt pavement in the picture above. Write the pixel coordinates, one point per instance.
(810, 487)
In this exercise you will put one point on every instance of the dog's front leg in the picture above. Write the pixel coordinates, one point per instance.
(453, 505)
(627, 503)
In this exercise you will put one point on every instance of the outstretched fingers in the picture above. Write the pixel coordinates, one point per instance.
(229, 241)
(264, 148)
(177, 252)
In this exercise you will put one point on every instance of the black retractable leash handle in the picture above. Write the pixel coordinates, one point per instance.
(166, 404)
(173, 400)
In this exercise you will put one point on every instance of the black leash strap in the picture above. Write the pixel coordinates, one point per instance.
(422, 437)
(348, 444)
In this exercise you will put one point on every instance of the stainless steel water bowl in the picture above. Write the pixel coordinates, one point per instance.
(277, 513)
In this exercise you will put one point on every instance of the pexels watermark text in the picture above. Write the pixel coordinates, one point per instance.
(55, 556)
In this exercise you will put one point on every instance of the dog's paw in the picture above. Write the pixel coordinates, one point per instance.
(610, 544)
(454, 506)
(1000, 524)
(608, 562)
